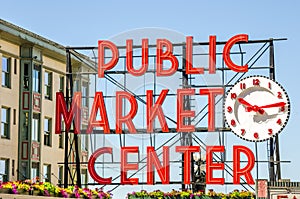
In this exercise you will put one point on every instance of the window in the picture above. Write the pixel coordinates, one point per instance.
(23, 171)
(25, 133)
(36, 76)
(4, 165)
(15, 67)
(60, 175)
(76, 85)
(84, 92)
(48, 85)
(61, 83)
(84, 145)
(13, 167)
(47, 131)
(35, 128)
(47, 173)
(15, 117)
(61, 136)
(34, 170)
(5, 72)
(84, 177)
(5, 122)
(61, 140)
(26, 76)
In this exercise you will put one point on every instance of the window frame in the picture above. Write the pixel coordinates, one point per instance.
(48, 132)
(6, 134)
(84, 177)
(60, 175)
(61, 141)
(61, 138)
(6, 170)
(47, 173)
(85, 94)
(61, 83)
(84, 142)
(26, 77)
(48, 85)
(36, 78)
(35, 167)
(36, 133)
(7, 73)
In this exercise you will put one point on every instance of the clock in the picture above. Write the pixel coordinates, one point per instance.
(256, 108)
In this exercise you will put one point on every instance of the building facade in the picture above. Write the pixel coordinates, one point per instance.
(33, 70)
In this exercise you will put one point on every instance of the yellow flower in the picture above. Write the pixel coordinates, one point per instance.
(23, 186)
(7, 185)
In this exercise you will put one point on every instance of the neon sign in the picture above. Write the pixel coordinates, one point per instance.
(154, 110)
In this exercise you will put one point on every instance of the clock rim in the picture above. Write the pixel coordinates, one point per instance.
(283, 125)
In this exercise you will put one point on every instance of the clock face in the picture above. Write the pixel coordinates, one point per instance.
(256, 108)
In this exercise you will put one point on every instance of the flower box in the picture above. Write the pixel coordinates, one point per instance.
(47, 189)
(3, 190)
(188, 195)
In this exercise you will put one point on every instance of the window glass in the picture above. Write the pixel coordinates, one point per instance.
(4, 170)
(84, 145)
(84, 92)
(5, 122)
(61, 135)
(84, 177)
(36, 78)
(46, 173)
(35, 128)
(47, 131)
(26, 76)
(60, 175)
(61, 83)
(5, 72)
(35, 170)
(48, 85)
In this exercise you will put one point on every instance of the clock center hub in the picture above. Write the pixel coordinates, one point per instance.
(255, 108)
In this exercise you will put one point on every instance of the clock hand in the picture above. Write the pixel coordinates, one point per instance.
(244, 102)
(250, 107)
(279, 104)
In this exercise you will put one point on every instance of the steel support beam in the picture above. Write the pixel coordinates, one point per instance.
(67, 170)
(274, 169)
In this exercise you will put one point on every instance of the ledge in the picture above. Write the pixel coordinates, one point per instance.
(19, 196)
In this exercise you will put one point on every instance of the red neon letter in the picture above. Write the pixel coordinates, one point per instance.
(212, 54)
(182, 113)
(152, 160)
(127, 119)
(187, 151)
(102, 66)
(98, 104)
(168, 55)
(129, 59)
(246, 171)
(211, 92)
(125, 166)
(91, 165)
(226, 53)
(210, 166)
(156, 110)
(61, 108)
(189, 58)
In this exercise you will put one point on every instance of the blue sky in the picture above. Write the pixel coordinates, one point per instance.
(82, 23)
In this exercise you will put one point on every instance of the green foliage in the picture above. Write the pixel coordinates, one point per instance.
(189, 195)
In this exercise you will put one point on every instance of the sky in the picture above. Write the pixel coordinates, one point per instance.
(83, 23)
